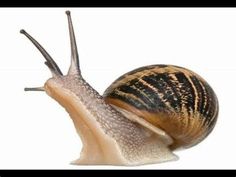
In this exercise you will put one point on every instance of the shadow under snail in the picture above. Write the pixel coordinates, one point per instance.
(141, 118)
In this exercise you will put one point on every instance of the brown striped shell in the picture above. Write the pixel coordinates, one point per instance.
(172, 98)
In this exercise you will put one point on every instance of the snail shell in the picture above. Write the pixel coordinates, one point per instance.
(171, 98)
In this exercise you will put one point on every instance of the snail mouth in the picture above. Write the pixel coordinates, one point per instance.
(50, 63)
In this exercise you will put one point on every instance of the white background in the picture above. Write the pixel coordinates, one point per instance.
(36, 132)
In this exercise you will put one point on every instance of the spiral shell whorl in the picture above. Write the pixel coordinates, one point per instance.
(172, 98)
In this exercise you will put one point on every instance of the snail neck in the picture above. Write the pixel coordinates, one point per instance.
(98, 148)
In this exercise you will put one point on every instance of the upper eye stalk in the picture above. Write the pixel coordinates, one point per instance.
(50, 63)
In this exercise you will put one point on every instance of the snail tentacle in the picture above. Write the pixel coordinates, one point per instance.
(49, 60)
(34, 89)
(74, 67)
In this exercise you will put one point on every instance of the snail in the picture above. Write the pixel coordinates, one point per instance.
(142, 117)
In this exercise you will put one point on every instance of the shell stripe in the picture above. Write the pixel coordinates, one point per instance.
(212, 108)
(131, 96)
(157, 92)
(187, 92)
(128, 96)
(160, 84)
(138, 89)
(156, 101)
(200, 91)
(206, 97)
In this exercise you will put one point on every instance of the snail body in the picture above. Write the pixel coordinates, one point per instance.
(142, 116)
